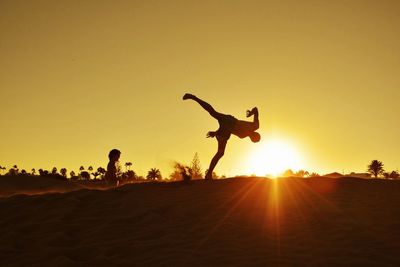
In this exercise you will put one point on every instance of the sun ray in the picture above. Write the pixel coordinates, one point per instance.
(233, 203)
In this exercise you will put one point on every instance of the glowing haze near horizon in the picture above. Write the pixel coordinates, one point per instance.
(78, 78)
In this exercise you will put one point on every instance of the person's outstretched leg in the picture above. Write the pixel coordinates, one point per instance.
(203, 104)
(216, 158)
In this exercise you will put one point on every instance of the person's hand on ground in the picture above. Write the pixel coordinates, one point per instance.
(211, 134)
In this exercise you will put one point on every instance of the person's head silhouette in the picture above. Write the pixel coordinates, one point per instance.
(255, 137)
(114, 155)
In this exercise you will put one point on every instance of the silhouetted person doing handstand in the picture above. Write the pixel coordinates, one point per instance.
(228, 125)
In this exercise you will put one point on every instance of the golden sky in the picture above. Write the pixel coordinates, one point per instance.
(78, 78)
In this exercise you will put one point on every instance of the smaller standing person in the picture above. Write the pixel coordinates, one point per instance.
(113, 168)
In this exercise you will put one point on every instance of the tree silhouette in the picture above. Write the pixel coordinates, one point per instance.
(33, 171)
(3, 169)
(375, 168)
(14, 170)
(43, 172)
(63, 172)
(195, 167)
(81, 168)
(181, 172)
(102, 171)
(302, 173)
(99, 171)
(130, 175)
(85, 175)
(394, 175)
(90, 171)
(54, 171)
(153, 174)
(95, 174)
(128, 166)
(176, 174)
(288, 173)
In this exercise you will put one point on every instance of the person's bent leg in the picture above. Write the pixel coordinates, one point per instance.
(203, 104)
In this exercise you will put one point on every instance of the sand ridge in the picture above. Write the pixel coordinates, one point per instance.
(230, 222)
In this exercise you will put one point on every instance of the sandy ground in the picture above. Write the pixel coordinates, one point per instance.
(230, 222)
(32, 185)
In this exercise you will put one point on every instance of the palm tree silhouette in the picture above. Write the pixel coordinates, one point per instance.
(302, 173)
(153, 174)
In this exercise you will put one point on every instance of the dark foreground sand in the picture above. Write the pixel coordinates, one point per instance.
(231, 222)
(33, 185)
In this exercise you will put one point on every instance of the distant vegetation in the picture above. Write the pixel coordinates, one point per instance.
(154, 174)
(375, 168)
(180, 172)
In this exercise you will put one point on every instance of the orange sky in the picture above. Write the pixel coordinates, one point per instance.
(78, 78)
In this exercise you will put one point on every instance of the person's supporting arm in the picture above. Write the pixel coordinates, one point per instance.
(211, 134)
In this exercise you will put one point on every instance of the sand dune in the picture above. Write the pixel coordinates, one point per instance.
(20, 184)
(33, 185)
(231, 222)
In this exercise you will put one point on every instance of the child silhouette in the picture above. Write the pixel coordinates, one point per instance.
(113, 168)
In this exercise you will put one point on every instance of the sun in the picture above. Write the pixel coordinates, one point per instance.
(273, 157)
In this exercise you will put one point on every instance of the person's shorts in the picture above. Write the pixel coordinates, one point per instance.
(226, 125)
